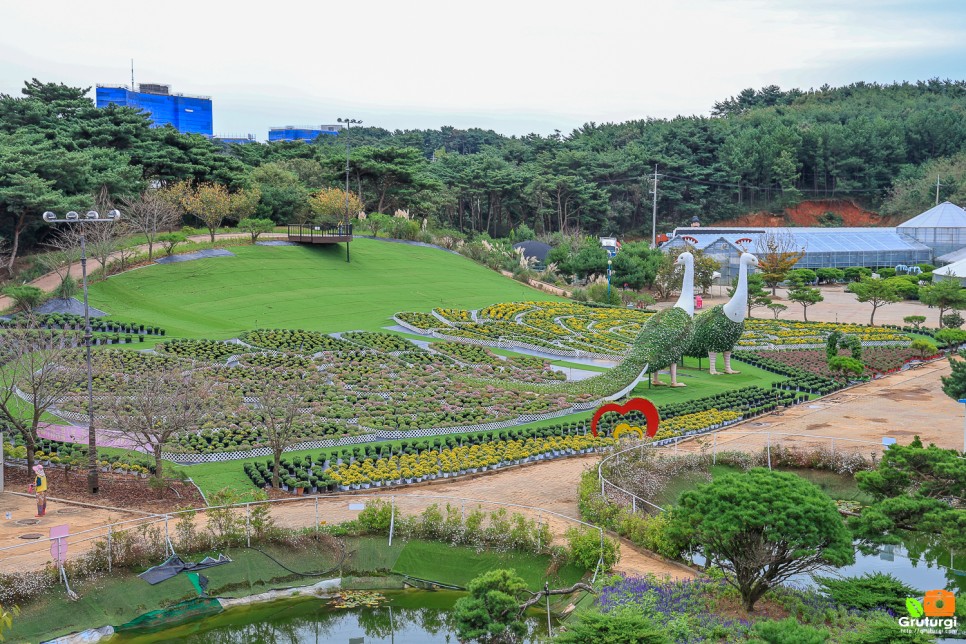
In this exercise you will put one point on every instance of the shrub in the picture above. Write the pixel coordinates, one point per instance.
(585, 549)
(621, 626)
(375, 517)
(25, 297)
(953, 320)
(787, 631)
(868, 592)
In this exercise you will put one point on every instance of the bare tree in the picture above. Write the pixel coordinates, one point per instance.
(150, 215)
(63, 251)
(281, 407)
(38, 368)
(153, 407)
(104, 238)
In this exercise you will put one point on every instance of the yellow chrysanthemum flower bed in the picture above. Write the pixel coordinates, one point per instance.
(458, 460)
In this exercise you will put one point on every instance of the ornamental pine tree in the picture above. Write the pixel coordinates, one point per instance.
(954, 385)
(761, 528)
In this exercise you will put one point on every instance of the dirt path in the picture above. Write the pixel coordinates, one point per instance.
(540, 486)
(903, 405)
(31, 554)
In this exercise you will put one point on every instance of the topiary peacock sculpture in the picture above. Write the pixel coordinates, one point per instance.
(719, 329)
(667, 334)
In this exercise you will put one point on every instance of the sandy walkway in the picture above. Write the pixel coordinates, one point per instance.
(548, 486)
(31, 554)
(901, 406)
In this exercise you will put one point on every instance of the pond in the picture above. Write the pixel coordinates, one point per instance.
(409, 617)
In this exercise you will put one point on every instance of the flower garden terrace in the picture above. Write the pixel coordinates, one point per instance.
(373, 386)
(570, 329)
(353, 385)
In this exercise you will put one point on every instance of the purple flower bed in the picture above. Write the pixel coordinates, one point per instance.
(686, 610)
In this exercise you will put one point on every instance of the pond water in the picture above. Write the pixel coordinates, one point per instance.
(409, 617)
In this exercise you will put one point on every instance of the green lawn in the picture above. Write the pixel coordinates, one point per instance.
(302, 287)
(458, 565)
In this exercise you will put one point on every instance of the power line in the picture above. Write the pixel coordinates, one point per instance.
(742, 186)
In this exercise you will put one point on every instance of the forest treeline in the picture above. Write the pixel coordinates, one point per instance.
(880, 145)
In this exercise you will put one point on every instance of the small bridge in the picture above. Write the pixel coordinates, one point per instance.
(310, 234)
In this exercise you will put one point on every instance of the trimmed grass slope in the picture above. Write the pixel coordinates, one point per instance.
(302, 287)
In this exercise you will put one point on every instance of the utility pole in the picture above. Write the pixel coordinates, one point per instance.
(937, 189)
(654, 210)
(348, 122)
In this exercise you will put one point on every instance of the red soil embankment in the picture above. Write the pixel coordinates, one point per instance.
(808, 213)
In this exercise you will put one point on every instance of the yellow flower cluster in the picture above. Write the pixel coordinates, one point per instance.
(694, 422)
(458, 459)
(508, 310)
(454, 315)
(786, 332)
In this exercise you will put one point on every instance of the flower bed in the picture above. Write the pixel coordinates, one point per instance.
(210, 350)
(365, 466)
(293, 340)
(610, 331)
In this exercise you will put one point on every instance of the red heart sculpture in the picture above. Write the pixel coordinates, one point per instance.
(642, 405)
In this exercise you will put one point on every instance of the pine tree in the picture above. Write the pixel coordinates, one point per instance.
(954, 385)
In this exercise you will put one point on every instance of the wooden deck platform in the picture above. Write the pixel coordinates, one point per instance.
(310, 234)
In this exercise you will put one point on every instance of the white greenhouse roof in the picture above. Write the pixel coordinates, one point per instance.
(945, 215)
(956, 269)
(954, 256)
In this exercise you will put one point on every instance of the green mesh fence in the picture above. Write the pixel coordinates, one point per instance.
(172, 615)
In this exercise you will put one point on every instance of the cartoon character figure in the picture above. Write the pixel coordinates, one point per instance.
(39, 487)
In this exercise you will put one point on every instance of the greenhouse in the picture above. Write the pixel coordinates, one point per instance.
(824, 247)
(942, 228)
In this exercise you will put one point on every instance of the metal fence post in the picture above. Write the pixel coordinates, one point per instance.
(392, 518)
(769, 450)
(316, 515)
(714, 449)
(110, 546)
(539, 521)
(633, 504)
(248, 525)
(167, 535)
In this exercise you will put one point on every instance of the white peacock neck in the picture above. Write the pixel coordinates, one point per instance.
(686, 301)
(737, 307)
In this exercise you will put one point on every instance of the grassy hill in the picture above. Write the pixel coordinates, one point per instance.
(302, 287)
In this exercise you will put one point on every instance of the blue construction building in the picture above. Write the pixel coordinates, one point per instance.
(302, 132)
(189, 114)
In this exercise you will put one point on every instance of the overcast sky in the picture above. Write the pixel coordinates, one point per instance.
(514, 66)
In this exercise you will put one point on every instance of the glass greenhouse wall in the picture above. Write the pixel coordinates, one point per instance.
(941, 240)
(824, 247)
